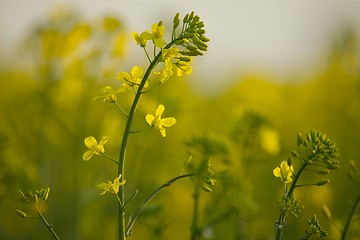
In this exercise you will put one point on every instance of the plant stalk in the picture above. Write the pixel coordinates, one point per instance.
(127, 131)
(347, 224)
(48, 226)
(150, 197)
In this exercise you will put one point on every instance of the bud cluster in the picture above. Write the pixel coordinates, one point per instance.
(192, 36)
(290, 204)
(316, 228)
(320, 149)
(30, 197)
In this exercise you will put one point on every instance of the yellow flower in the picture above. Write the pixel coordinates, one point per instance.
(166, 72)
(284, 172)
(158, 33)
(111, 187)
(94, 146)
(158, 122)
(183, 67)
(140, 39)
(109, 95)
(131, 80)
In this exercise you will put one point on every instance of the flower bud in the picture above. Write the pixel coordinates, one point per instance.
(21, 213)
(294, 153)
(185, 59)
(323, 172)
(176, 20)
(191, 15)
(196, 18)
(322, 182)
(200, 31)
(186, 18)
(333, 167)
(206, 188)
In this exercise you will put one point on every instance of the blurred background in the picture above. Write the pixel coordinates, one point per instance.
(272, 70)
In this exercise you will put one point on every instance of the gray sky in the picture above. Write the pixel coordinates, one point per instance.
(282, 36)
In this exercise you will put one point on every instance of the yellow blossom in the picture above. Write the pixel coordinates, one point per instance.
(111, 186)
(94, 146)
(158, 33)
(109, 95)
(131, 80)
(158, 122)
(140, 39)
(284, 172)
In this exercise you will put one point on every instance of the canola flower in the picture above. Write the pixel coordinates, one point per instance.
(94, 147)
(111, 186)
(160, 123)
(284, 172)
(131, 80)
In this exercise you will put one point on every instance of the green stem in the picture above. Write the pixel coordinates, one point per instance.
(121, 109)
(151, 196)
(194, 226)
(111, 158)
(352, 212)
(48, 225)
(127, 130)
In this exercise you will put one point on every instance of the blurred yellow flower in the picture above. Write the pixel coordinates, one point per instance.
(284, 172)
(111, 186)
(94, 146)
(108, 95)
(269, 141)
(131, 80)
(158, 122)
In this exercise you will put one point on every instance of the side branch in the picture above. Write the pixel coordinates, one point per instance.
(151, 196)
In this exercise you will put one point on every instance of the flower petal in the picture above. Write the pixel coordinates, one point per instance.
(123, 76)
(103, 140)
(88, 154)
(149, 119)
(168, 122)
(163, 133)
(277, 172)
(159, 111)
(136, 73)
(90, 141)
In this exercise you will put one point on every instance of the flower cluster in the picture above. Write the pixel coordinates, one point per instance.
(316, 228)
(290, 204)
